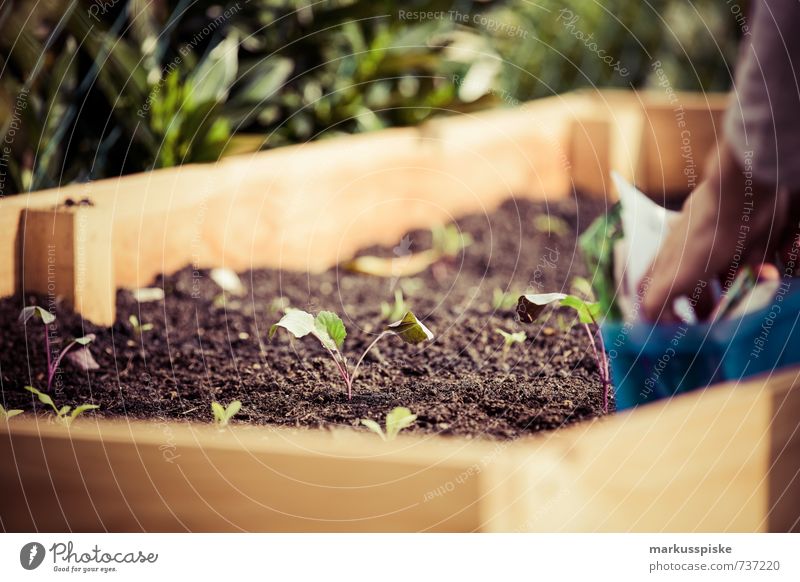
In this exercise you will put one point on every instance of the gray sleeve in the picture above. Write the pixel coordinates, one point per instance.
(763, 121)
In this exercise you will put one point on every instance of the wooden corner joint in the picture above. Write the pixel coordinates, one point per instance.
(66, 254)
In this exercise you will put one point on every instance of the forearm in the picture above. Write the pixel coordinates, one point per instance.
(762, 124)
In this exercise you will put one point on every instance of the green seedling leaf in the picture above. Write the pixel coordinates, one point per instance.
(218, 411)
(297, 322)
(398, 419)
(34, 310)
(43, 398)
(64, 410)
(551, 225)
(232, 409)
(222, 415)
(139, 328)
(503, 299)
(327, 327)
(512, 338)
(448, 240)
(8, 414)
(530, 307)
(582, 287)
(587, 312)
(410, 329)
(81, 409)
(395, 311)
(85, 340)
(374, 427)
(329, 324)
(597, 246)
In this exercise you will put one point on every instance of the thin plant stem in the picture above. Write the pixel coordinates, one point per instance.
(52, 370)
(47, 349)
(602, 365)
(369, 347)
(343, 371)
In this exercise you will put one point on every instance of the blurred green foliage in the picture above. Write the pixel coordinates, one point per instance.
(92, 89)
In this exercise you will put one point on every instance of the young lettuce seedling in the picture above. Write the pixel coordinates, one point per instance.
(531, 306)
(509, 339)
(223, 414)
(448, 241)
(63, 414)
(398, 419)
(139, 328)
(47, 318)
(328, 328)
(8, 414)
(547, 224)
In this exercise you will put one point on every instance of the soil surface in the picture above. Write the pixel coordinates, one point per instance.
(463, 383)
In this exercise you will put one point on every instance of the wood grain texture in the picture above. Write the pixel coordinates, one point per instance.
(66, 252)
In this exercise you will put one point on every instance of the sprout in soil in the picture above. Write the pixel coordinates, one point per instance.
(328, 328)
(223, 414)
(531, 306)
(8, 414)
(448, 241)
(398, 419)
(503, 299)
(395, 311)
(139, 328)
(548, 225)
(509, 339)
(47, 318)
(63, 414)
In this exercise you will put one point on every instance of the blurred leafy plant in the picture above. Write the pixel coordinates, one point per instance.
(97, 89)
(396, 420)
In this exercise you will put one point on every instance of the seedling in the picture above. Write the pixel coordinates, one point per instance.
(66, 414)
(223, 414)
(548, 224)
(139, 328)
(509, 339)
(398, 419)
(47, 318)
(328, 328)
(6, 415)
(531, 306)
(503, 299)
(448, 241)
(395, 311)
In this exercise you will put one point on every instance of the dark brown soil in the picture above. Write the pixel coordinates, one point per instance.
(463, 383)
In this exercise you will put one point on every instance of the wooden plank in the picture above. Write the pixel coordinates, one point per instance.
(659, 140)
(722, 459)
(115, 476)
(66, 252)
(590, 156)
(712, 460)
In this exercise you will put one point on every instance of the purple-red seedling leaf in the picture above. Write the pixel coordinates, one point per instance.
(530, 307)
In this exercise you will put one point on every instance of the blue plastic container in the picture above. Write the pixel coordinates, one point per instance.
(652, 362)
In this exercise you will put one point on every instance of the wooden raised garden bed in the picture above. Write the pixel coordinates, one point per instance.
(724, 459)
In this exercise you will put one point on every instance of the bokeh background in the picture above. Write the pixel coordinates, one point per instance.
(93, 89)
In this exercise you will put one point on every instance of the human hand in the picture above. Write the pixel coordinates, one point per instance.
(728, 222)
